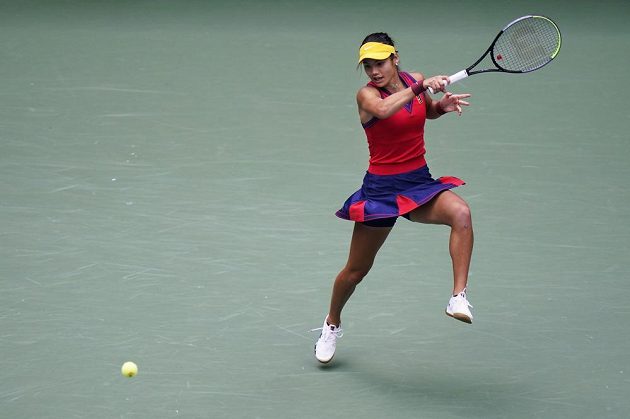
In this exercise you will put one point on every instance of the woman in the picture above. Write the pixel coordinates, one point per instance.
(393, 108)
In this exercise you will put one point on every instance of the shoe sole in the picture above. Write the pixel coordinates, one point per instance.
(459, 316)
(319, 360)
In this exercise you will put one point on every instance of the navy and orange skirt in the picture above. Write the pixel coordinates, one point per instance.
(390, 196)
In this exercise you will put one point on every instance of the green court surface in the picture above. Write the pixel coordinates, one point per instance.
(169, 173)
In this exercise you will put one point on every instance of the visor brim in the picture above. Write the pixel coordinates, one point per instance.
(375, 56)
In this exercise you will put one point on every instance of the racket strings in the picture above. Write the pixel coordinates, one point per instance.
(527, 45)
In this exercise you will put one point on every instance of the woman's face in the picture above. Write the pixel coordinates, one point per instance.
(381, 72)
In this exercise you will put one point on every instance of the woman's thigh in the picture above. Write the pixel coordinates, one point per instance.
(365, 244)
(445, 208)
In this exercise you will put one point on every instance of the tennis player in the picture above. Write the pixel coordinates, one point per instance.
(393, 108)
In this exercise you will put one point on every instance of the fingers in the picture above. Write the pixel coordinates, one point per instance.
(443, 82)
(453, 103)
(457, 99)
(436, 83)
(458, 106)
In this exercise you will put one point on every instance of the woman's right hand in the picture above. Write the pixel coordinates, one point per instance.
(436, 83)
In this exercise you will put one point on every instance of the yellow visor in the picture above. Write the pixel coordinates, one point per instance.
(375, 50)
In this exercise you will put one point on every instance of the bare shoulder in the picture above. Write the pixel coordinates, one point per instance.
(367, 91)
(416, 75)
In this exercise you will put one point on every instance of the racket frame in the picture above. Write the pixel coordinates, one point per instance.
(469, 72)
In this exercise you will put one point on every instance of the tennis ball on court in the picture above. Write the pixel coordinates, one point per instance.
(129, 369)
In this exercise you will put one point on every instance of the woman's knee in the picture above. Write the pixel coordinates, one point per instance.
(461, 216)
(356, 274)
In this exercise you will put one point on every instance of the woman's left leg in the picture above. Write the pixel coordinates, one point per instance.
(447, 208)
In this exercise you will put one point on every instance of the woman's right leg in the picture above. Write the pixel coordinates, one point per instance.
(366, 241)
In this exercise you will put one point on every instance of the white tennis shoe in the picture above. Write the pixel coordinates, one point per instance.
(327, 342)
(459, 308)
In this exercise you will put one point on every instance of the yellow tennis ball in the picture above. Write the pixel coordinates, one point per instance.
(129, 369)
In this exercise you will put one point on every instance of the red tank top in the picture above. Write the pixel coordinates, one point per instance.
(396, 143)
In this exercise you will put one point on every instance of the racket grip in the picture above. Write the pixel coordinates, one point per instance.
(453, 79)
(458, 76)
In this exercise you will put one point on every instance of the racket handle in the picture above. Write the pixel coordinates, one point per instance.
(458, 76)
(453, 79)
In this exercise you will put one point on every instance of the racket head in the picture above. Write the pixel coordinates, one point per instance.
(526, 44)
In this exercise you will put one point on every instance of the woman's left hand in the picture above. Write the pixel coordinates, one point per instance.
(453, 103)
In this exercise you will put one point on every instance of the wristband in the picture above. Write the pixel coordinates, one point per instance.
(417, 88)
(439, 109)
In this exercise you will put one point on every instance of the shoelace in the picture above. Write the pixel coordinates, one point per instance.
(327, 332)
(462, 295)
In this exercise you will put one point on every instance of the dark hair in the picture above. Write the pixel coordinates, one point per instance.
(381, 37)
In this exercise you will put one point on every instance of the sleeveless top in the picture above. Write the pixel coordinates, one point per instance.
(396, 144)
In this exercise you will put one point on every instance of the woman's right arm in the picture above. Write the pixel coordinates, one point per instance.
(372, 105)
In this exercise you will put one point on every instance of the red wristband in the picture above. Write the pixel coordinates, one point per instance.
(417, 88)
(439, 109)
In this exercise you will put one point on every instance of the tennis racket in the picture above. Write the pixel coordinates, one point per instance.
(525, 44)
